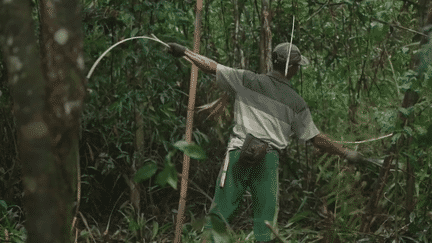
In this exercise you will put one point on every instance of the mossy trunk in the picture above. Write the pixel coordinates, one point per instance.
(48, 99)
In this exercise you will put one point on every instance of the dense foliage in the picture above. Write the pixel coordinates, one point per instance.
(364, 57)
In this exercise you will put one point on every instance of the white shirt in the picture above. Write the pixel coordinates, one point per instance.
(265, 106)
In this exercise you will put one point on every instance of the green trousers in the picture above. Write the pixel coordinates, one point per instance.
(262, 181)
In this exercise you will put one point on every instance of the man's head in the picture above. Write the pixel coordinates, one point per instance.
(279, 59)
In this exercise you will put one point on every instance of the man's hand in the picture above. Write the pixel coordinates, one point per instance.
(354, 157)
(176, 50)
(206, 65)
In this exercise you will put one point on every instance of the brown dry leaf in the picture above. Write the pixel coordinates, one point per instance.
(216, 107)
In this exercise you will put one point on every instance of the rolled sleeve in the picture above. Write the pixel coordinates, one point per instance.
(304, 127)
(229, 79)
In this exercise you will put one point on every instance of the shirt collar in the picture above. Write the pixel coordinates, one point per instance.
(279, 77)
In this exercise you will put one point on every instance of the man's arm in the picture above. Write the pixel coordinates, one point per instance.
(323, 143)
(206, 65)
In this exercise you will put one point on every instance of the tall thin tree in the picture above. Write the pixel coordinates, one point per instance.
(266, 38)
(189, 125)
(48, 98)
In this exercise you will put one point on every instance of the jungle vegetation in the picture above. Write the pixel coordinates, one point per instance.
(112, 158)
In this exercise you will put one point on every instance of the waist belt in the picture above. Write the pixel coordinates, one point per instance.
(271, 148)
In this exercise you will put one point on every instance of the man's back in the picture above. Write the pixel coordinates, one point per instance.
(265, 106)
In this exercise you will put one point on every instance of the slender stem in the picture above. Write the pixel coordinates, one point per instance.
(317, 11)
(189, 125)
(290, 46)
(394, 74)
(267, 223)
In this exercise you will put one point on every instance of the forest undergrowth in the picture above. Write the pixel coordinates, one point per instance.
(365, 57)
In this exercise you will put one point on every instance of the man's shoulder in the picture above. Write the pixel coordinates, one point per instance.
(274, 89)
(255, 81)
(255, 77)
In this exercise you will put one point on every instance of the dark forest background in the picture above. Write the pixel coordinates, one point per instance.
(369, 76)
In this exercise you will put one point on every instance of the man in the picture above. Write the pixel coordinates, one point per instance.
(267, 112)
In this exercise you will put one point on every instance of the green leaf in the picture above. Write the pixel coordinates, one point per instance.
(299, 216)
(138, 7)
(169, 156)
(155, 229)
(429, 83)
(361, 16)
(3, 204)
(145, 172)
(172, 178)
(165, 227)
(395, 137)
(192, 150)
(168, 175)
(161, 178)
(113, 106)
(133, 225)
(404, 111)
(426, 138)
(199, 223)
(377, 32)
(414, 227)
(134, 32)
(218, 225)
(406, 86)
(412, 160)
(408, 130)
(420, 130)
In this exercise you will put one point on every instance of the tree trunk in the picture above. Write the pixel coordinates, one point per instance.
(48, 99)
(139, 144)
(238, 34)
(189, 127)
(410, 188)
(266, 38)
